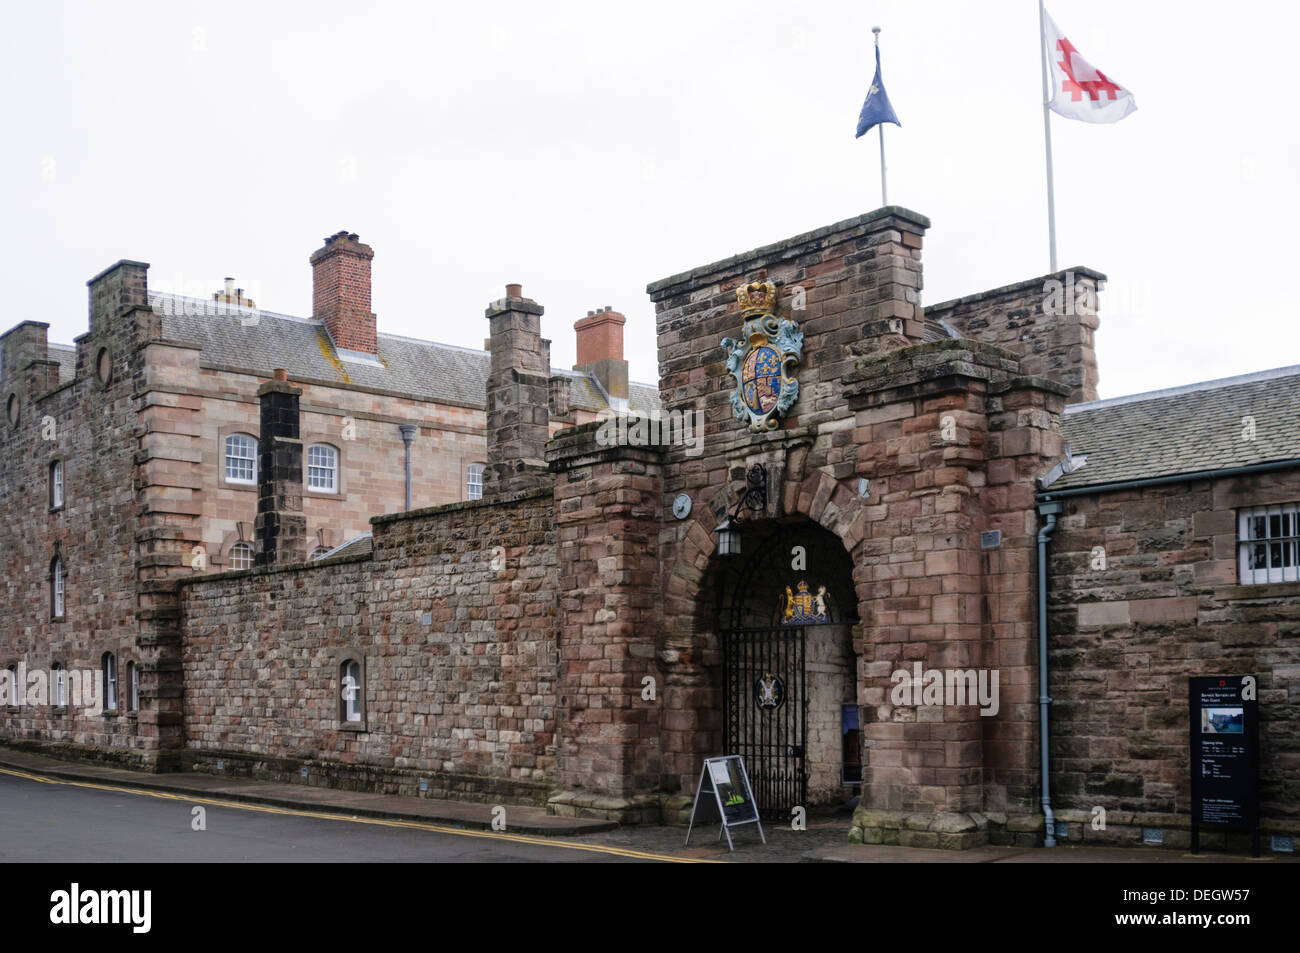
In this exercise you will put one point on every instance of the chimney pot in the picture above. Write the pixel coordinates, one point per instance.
(514, 291)
(281, 374)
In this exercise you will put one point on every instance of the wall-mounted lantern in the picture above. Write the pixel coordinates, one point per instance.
(728, 536)
(754, 498)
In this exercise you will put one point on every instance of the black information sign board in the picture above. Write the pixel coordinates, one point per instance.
(1224, 723)
(726, 778)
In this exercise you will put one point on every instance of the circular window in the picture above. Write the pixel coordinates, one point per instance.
(11, 409)
(104, 366)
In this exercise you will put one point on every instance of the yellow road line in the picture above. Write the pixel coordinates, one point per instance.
(381, 822)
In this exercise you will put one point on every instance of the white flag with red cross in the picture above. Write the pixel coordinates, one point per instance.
(1078, 89)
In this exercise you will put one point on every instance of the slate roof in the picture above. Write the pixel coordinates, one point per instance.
(1184, 429)
(939, 330)
(66, 355)
(428, 370)
(356, 546)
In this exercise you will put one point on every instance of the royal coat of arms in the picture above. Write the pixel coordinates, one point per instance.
(804, 608)
(763, 361)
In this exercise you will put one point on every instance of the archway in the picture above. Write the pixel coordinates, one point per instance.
(787, 683)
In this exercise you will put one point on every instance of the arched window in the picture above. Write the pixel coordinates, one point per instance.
(133, 685)
(109, 664)
(351, 690)
(241, 556)
(241, 458)
(56, 588)
(322, 468)
(56, 484)
(59, 685)
(319, 551)
(474, 481)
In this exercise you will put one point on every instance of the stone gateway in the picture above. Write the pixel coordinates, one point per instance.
(880, 550)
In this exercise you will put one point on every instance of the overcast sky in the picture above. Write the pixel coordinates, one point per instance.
(586, 150)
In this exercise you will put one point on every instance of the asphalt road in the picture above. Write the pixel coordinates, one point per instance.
(70, 823)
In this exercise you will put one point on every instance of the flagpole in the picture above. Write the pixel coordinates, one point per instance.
(1047, 137)
(884, 200)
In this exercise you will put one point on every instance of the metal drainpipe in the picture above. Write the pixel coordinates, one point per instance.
(1051, 511)
(408, 434)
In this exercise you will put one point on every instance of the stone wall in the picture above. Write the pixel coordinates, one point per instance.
(1049, 323)
(831, 672)
(452, 619)
(851, 287)
(907, 452)
(608, 512)
(90, 427)
(942, 429)
(1124, 640)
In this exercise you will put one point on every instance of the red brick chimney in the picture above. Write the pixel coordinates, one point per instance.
(600, 350)
(340, 294)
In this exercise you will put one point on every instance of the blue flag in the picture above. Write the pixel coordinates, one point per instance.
(876, 109)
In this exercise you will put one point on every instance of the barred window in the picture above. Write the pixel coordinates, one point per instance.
(241, 556)
(1268, 544)
(241, 458)
(474, 482)
(322, 468)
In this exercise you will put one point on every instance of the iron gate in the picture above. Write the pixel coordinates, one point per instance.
(764, 713)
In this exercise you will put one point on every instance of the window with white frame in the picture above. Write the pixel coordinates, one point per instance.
(59, 685)
(241, 556)
(56, 588)
(1268, 544)
(56, 484)
(133, 686)
(15, 691)
(241, 458)
(322, 468)
(350, 680)
(474, 481)
(109, 663)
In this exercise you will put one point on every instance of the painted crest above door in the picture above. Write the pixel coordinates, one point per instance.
(763, 362)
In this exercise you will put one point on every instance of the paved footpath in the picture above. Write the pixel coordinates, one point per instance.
(56, 801)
